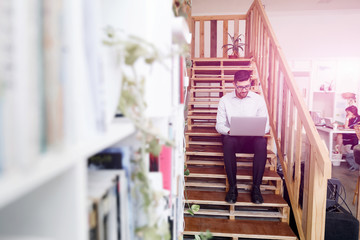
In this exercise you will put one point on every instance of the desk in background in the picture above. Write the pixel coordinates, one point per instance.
(327, 134)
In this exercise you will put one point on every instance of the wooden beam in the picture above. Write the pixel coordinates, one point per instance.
(193, 38)
(220, 17)
(202, 39)
(213, 39)
(225, 37)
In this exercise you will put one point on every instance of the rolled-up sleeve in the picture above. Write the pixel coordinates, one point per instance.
(222, 125)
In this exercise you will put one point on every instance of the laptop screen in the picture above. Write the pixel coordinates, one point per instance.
(247, 126)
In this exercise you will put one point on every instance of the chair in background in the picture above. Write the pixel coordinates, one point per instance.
(357, 160)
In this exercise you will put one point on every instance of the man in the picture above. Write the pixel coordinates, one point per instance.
(244, 103)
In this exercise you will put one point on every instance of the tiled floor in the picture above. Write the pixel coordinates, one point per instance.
(348, 180)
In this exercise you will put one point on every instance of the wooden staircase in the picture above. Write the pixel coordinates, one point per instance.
(207, 184)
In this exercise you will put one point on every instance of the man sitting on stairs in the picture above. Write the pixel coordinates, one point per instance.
(244, 103)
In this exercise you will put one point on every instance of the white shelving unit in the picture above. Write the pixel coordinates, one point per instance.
(14, 185)
(49, 199)
(43, 184)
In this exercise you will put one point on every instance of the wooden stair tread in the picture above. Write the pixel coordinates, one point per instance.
(202, 131)
(238, 228)
(214, 143)
(206, 184)
(210, 116)
(213, 102)
(244, 199)
(215, 150)
(219, 68)
(203, 125)
(221, 59)
(219, 172)
(221, 163)
(248, 214)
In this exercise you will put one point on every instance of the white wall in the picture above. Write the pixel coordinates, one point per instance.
(318, 34)
(216, 7)
(301, 34)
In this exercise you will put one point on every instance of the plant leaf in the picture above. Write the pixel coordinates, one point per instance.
(197, 237)
(195, 208)
(191, 212)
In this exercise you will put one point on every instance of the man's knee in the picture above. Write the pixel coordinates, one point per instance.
(228, 140)
(260, 142)
(229, 143)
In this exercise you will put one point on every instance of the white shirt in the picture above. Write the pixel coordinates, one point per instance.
(253, 105)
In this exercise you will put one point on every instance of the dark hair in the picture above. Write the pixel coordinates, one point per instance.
(353, 110)
(241, 75)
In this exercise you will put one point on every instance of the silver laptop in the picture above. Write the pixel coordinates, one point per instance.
(247, 126)
(328, 123)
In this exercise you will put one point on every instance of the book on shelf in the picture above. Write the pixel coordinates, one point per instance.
(92, 219)
(114, 163)
(102, 192)
(19, 100)
(110, 184)
(110, 158)
(52, 74)
(20, 237)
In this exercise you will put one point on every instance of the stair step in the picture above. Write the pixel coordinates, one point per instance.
(214, 150)
(202, 116)
(220, 68)
(222, 90)
(207, 124)
(221, 163)
(221, 60)
(244, 199)
(245, 214)
(202, 131)
(205, 143)
(204, 102)
(213, 203)
(238, 228)
(206, 184)
(219, 172)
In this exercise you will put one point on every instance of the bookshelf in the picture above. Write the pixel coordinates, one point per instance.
(16, 184)
(52, 192)
(57, 107)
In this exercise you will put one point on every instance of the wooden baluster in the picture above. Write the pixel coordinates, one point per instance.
(193, 38)
(213, 39)
(290, 140)
(202, 38)
(276, 95)
(261, 47)
(236, 27)
(247, 35)
(271, 86)
(225, 37)
(298, 149)
(317, 189)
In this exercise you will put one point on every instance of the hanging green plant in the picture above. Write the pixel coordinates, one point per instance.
(132, 104)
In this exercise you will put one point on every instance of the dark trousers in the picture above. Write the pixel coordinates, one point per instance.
(244, 144)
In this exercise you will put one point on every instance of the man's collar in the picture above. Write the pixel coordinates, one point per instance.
(249, 95)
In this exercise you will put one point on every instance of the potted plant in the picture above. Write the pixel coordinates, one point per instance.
(236, 45)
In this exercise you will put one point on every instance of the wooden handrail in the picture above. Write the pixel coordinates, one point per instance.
(297, 140)
(291, 124)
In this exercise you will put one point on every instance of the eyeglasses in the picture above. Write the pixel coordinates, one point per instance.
(247, 87)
